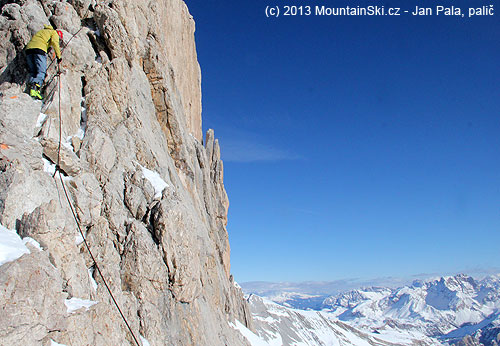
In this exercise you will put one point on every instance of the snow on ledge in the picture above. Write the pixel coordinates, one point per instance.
(252, 338)
(154, 178)
(144, 341)
(12, 246)
(78, 239)
(92, 281)
(33, 242)
(49, 167)
(41, 119)
(53, 343)
(75, 304)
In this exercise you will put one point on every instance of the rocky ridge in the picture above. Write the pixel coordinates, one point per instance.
(450, 310)
(147, 189)
(280, 325)
(436, 308)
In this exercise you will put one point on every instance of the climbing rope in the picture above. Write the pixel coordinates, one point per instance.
(60, 118)
(95, 262)
(58, 170)
(78, 223)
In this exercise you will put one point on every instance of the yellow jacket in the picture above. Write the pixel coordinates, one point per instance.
(45, 38)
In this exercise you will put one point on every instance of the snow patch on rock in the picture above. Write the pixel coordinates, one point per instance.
(12, 246)
(48, 166)
(154, 178)
(75, 304)
(144, 341)
(41, 119)
(252, 338)
(78, 239)
(91, 276)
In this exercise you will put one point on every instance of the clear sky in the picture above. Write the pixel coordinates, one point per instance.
(354, 146)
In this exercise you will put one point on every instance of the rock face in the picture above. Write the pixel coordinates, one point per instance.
(147, 193)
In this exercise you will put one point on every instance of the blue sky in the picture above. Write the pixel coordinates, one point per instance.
(354, 146)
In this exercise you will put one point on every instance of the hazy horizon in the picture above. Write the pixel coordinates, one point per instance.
(331, 287)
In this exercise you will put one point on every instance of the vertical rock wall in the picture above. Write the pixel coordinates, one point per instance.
(131, 110)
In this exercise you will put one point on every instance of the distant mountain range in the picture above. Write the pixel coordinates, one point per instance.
(277, 325)
(448, 310)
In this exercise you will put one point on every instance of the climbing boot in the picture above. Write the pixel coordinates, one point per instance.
(35, 92)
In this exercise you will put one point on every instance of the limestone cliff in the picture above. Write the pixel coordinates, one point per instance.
(147, 192)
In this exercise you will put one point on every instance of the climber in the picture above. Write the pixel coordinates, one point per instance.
(36, 57)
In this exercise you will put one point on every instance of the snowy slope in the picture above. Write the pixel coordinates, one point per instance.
(434, 308)
(298, 300)
(279, 325)
(440, 311)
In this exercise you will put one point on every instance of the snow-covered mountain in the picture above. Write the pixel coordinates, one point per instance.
(434, 308)
(277, 325)
(311, 294)
(297, 300)
(452, 310)
(486, 333)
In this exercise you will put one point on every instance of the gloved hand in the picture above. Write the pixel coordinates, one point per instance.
(59, 60)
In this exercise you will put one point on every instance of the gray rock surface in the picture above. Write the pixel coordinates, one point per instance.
(130, 102)
(59, 154)
(32, 300)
